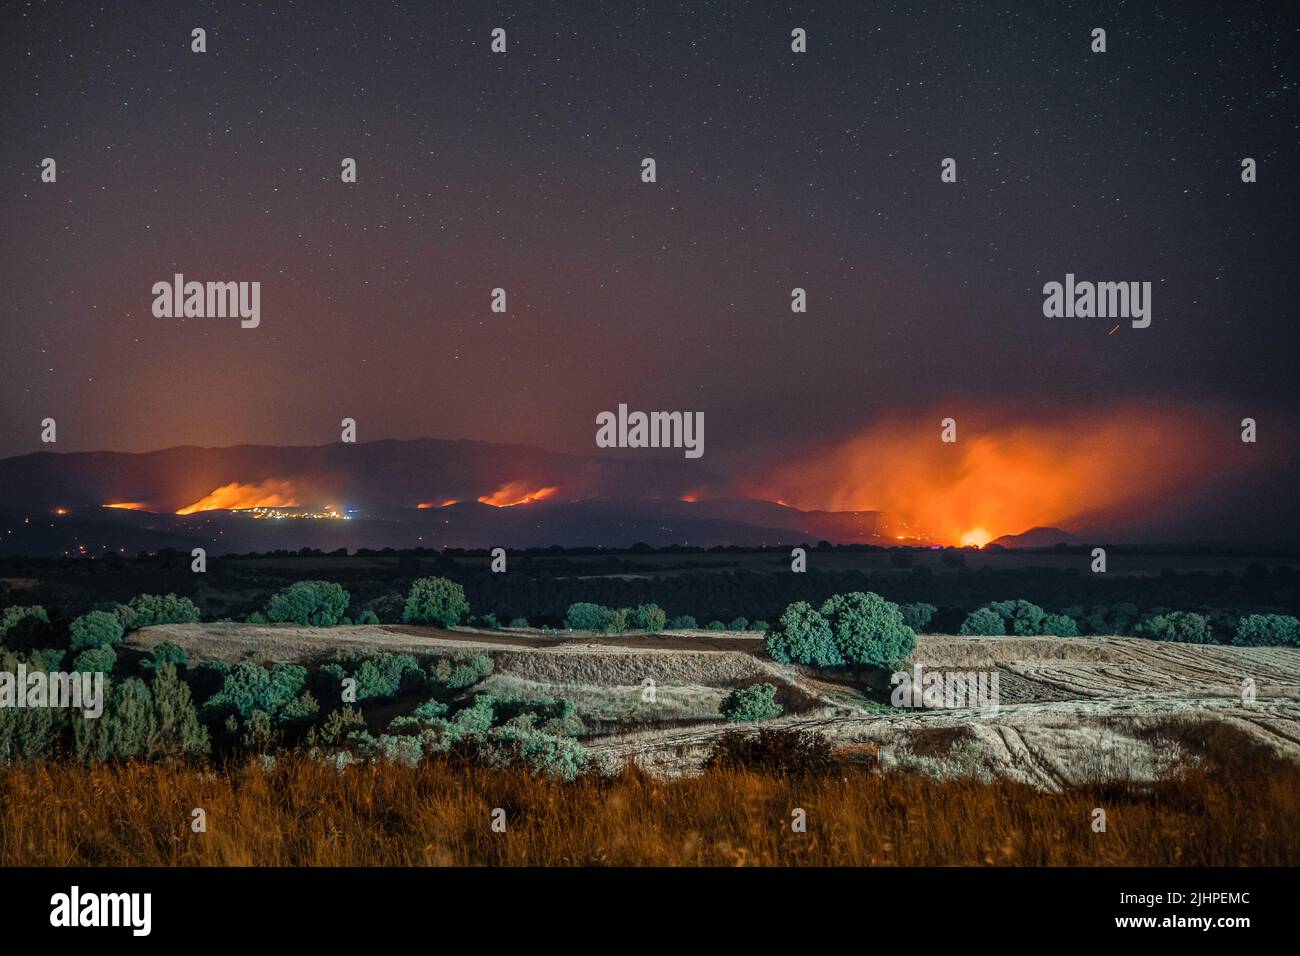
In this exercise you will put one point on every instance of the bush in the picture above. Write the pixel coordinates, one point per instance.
(683, 622)
(983, 623)
(387, 675)
(249, 687)
(95, 629)
(758, 625)
(146, 610)
(917, 616)
(20, 626)
(715, 626)
(756, 702)
(1183, 626)
(777, 752)
(435, 601)
(649, 617)
(540, 753)
(166, 652)
(518, 622)
(95, 660)
(803, 636)
(620, 620)
(738, 624)
(582, 616)
(367, 617)
(309, 603)
(1267, 630)
(257, 617)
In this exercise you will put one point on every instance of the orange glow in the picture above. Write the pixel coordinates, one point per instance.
(60, 511)
(517, 493)
(429, 504)
(1002, 476)
(128, 505)
(272, 493)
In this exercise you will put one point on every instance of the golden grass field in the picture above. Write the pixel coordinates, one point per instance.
(1235, 806)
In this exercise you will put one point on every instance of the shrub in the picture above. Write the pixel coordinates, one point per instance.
(125, 729)
(683, 622)
(802, 636)
(1183, 626)
(620, 620)
(95, 660)
(583, 616)
(146, 610)
(95, 629)
(257, 617)
(649, 617)
(249, 687)
(166, 652)
(983, 623)
(20, 626)
(738, 624)
(518, 622)
(756, 702)
(918, 616)
(1263, 630)
(532, 750)
(780, 752)
(386, 675)
(715, 626)
(309, 603)
(867, 629)
(28, 733)
(758, 625)
(367, 617)
(178, 728)
(435, 601)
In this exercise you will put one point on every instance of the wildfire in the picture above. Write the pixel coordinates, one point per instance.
(431, 504)
(1001, 477)
(272, 493)
(517, 493)
(128, 505)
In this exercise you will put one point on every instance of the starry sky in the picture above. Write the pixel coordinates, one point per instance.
(775, 170)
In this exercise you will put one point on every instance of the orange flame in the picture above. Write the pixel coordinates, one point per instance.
(128, 505)
(1000, 477)
(272, 493)
(517, 493)
(430, 504)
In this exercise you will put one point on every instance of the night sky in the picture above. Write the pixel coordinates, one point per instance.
(775, 170)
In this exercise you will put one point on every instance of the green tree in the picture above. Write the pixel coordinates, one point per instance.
(917, 616)
(95, 629)
(1183, 626)
(583, 616)
(309, 603)
(649, 617)
(1267, 630)
(803, 636)
(146, 610)
(868, 630)
(435, 601)
(983, 623)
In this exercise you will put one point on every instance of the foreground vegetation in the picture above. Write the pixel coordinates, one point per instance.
(1236, 807)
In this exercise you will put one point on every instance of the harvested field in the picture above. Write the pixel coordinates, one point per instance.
(1071, 710)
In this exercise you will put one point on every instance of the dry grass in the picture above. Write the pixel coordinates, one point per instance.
(1235, 807)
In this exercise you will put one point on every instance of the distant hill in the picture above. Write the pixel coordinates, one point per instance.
(1038, 538)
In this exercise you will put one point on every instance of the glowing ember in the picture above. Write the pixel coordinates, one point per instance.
(1001, 476)
(431, 504)
(517, 493)
(128, 505)
(273, 493)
